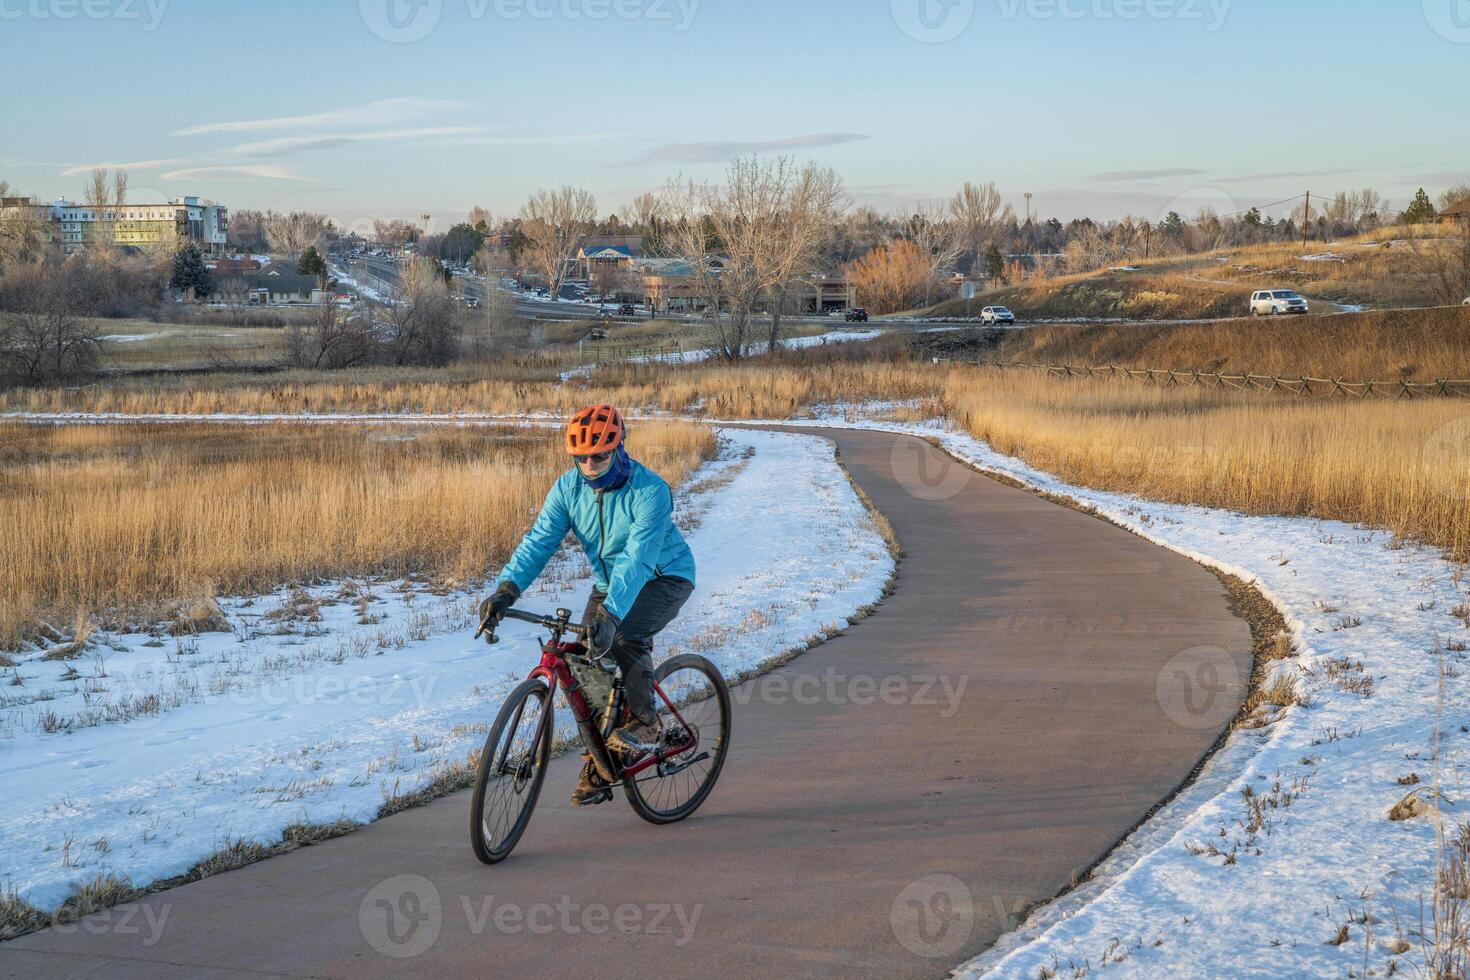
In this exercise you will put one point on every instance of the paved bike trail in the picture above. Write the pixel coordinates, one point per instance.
(1033, 712)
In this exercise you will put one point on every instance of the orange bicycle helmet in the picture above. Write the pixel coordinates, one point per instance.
(595, 430)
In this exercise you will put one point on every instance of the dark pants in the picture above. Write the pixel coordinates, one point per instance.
(655, 608)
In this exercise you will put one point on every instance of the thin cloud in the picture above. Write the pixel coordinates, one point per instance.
(82, 168)
(1118, 175)
(288, 145)
(1443, 177)
(722, 150)
(373, 113)
(1297, 174)
(524, 140)
(239, 172)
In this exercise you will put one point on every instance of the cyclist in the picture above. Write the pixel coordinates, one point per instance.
(622, 514)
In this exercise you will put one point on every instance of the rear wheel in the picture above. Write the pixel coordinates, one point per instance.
(512, 768)
(675, 787)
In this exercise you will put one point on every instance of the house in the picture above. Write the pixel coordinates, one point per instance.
(1456, 212)
(274, 287)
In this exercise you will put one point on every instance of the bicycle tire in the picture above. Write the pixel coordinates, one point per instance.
(648, 793)
(538, 757)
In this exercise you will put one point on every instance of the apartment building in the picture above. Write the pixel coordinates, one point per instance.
(166, 225)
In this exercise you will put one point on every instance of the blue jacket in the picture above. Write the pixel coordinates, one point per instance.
(628, 534)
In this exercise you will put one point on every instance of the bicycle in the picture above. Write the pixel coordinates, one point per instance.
(663, 786)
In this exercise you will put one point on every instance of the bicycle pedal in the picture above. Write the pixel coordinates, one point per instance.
(605, 796)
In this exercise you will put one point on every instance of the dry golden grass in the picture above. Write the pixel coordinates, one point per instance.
(1396, 465)
(133, 520)
(1377, 269)
(1419, 345)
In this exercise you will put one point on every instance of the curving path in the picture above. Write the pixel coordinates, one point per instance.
(891, 797)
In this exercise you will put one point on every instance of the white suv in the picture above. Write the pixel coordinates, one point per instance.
(997, 314)
(1271, 302)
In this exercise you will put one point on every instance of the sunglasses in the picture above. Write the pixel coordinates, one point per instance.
(598, 459)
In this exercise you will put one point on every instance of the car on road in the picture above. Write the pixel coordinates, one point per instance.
(1275, 302)
(627, 309)
(857, 315)
(472, 302)
(997, 314)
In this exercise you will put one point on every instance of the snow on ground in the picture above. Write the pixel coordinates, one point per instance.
(1198, 890)
(321, 702)
(367, 292)
(1324, 257)
(129, 338)
(704, 353)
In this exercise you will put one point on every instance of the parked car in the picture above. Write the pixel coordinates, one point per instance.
(997, 314)
(1273, 302)
(857, 315)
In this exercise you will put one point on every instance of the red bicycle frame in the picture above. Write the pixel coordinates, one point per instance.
(558, 676)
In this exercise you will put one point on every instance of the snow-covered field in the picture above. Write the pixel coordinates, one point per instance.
(149, 753)
(1207, 888)
(1279, 860)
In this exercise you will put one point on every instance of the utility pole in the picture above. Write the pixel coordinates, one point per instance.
(1028, 207)
(1306, 218)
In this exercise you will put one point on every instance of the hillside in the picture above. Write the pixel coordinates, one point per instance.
(1372, 271)
(1416, 345)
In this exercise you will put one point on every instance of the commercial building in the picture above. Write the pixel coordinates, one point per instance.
(670, 284)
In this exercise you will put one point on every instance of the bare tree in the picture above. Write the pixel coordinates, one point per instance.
(937, 236)
(23, 234)
(1443, 260)
(395, 232)
(893, 277)
(234, 293)
(813, 199)
(980, 218)
(478, 219)
(294, 233)
(421, 324)
(105, 195)
(41, 337)
(336, 338)
(555, 224)
(745, 242)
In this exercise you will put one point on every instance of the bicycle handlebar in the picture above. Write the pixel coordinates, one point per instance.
(549, 622)
(560, 623)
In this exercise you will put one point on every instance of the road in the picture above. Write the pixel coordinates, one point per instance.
(1034, 715)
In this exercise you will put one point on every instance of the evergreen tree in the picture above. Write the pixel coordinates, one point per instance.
(995, 263)
(1420, 211)
(311, 263)
(1253, 217)
(190, 273)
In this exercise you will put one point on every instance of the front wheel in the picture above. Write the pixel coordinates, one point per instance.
(694, 727)
(512, 768)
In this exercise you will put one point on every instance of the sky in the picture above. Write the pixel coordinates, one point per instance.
(367, 109)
